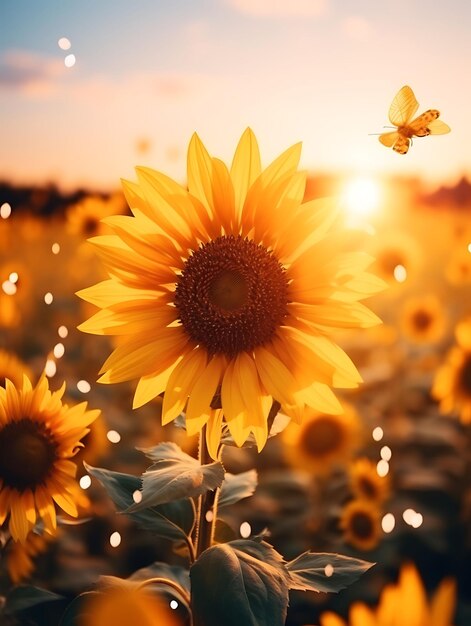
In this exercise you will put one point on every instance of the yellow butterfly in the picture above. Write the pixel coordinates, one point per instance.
(402, 110)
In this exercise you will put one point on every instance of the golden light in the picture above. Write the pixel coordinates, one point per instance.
(388, 522)
(361, 198)
(400, 273)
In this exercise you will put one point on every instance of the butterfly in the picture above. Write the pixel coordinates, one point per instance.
(403, 108)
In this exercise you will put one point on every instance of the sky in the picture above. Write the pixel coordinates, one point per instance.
(149, 73)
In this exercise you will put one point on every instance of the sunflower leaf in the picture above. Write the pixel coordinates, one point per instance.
(77, 611)
(324, 572)
(27, 596)
(173, 520)
(240, 582)
(236, 487)
(175, 475)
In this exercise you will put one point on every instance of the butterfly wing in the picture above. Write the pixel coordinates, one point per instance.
(403, 107)
(389, 139)
(402, 144)
(437, 127)
(420, 126)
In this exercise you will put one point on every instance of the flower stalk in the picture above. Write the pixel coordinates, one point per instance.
(207, 508)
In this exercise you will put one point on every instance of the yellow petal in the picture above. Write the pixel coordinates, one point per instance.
(248, 380)
(149, 387)
(231, 397)
(181, 383)
(331, 619)
(213, 433)
(275, 377)
(205, 388)
(443, 603)
(200, 169)
(361, 615)
(246, 167)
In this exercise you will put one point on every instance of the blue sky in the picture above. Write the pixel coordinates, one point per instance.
(320, 71)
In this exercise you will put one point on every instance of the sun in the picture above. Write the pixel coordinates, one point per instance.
(361, 198)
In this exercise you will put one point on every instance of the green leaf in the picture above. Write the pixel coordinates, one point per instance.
(241, 582)
(324, 572)
(173, 520)
(77, 612)
(27, 596)
(175, 475)
(158, 569)
(236, 487)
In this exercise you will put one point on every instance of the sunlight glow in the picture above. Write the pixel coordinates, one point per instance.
(386, 453)
(50, 368)
(173, 604)
(113, 436)
(48, 298)
(361, 197)
(115, 539)
(329, 570)
(62, 331)
(400, 273)
(5, 210)
(137, 496)
(9, 288)
(85, 481)
(388, 522)
(377, 433)
(245, 530)
(59, 350)
(69, 60)
(83, 386)
(55, 248)
(64, 43)
(382, 468)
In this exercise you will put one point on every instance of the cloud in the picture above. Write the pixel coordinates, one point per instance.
(281, 8)
(29, 72)
(357, 27)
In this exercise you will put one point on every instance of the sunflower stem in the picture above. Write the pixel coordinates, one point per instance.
(207, 508)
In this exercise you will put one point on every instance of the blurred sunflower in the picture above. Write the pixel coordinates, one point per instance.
(20, 556)
(452, 384)
(366, 483)
(361, 523)
(125, 603)
(13, 368)
(38, 437)
(84, 218)
(403, 604)
(394, 250)
(458, 269)
(226, 294)
(423, 319)
(322, 440)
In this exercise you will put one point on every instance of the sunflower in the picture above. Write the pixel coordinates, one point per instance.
(322, 440)
(458, 269)
(84, 218)
(361, 523)
(226, 294)
(452, 384)
(423, 319)
(366, 483)
(38, 437)
(125, 602)
(403, 604)
(20, 556)
(13, 368)
(394, 250)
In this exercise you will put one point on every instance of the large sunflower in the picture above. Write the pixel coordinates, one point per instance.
(403, 604)
(226, 293)
(38, 437)
(452, 384)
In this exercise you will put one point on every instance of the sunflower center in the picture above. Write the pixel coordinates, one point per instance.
(90, 226)
(322, 436)
(27, 454)
(422, 320)
(361, 525)
(465, 376)
(367, 487)
(231, 295)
